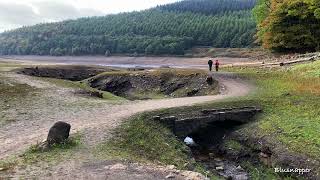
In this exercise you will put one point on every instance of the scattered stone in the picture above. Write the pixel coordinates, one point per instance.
(190, 175)
(58, 133)
(241, 177)
(219, 168)
(2, 169)
(171, 167)
(117, 166)
(219, 164)
(170, 176)
(185, 164)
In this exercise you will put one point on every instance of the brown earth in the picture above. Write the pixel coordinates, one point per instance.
(126, 62)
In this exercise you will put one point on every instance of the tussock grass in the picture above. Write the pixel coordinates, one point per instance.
(308, 69)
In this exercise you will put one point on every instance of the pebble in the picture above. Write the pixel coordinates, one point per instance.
(169, 176)
(219, 168)
(116, 167)
(264, 155)
(171, 167)
(219, 163)
(239, 167)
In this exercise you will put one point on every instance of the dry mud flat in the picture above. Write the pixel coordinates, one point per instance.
(126, 62)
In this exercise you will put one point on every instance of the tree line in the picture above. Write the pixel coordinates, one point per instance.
(161, 30)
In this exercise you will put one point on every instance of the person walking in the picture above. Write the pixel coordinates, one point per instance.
(210, 63)
(217, 64)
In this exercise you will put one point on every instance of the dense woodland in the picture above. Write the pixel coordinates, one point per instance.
(288, 25)
(168, 29)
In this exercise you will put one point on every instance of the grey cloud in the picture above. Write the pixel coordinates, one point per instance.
(14, 15)
(17, 14)
(59, 11)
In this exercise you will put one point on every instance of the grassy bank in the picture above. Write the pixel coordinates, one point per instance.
(290, 122)
(140, 139)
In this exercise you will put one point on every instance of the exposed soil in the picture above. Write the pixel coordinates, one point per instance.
(131, 84)
(73, 73)
(125, 62)
(154, 84)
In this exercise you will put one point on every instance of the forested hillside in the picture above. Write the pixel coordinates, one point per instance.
(289, 25)
(169, 29)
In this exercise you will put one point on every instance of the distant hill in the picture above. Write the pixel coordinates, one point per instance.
(167, 29)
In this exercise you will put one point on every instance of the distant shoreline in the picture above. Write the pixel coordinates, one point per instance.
(124, 61)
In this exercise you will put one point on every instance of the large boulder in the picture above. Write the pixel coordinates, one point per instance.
(58, 133)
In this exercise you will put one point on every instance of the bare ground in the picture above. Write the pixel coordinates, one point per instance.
(94, 118)
(128, 62)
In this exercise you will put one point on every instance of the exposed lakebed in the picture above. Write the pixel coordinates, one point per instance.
(134, 84)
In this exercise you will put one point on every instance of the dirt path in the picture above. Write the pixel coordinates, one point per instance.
(93, 116)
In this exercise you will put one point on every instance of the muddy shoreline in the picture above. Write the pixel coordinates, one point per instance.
(125, 62)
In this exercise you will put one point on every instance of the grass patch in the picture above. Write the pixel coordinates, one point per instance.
(34, 154)
(258, 172)
(82, 85)
(309, 69)
(8, 164)
(291, 111)
(144, 140)
(234, 145)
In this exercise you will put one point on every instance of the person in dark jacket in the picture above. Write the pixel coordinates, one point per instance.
(217, 64)
(210, 63)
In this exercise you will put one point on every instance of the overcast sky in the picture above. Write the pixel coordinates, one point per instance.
(17, 13)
